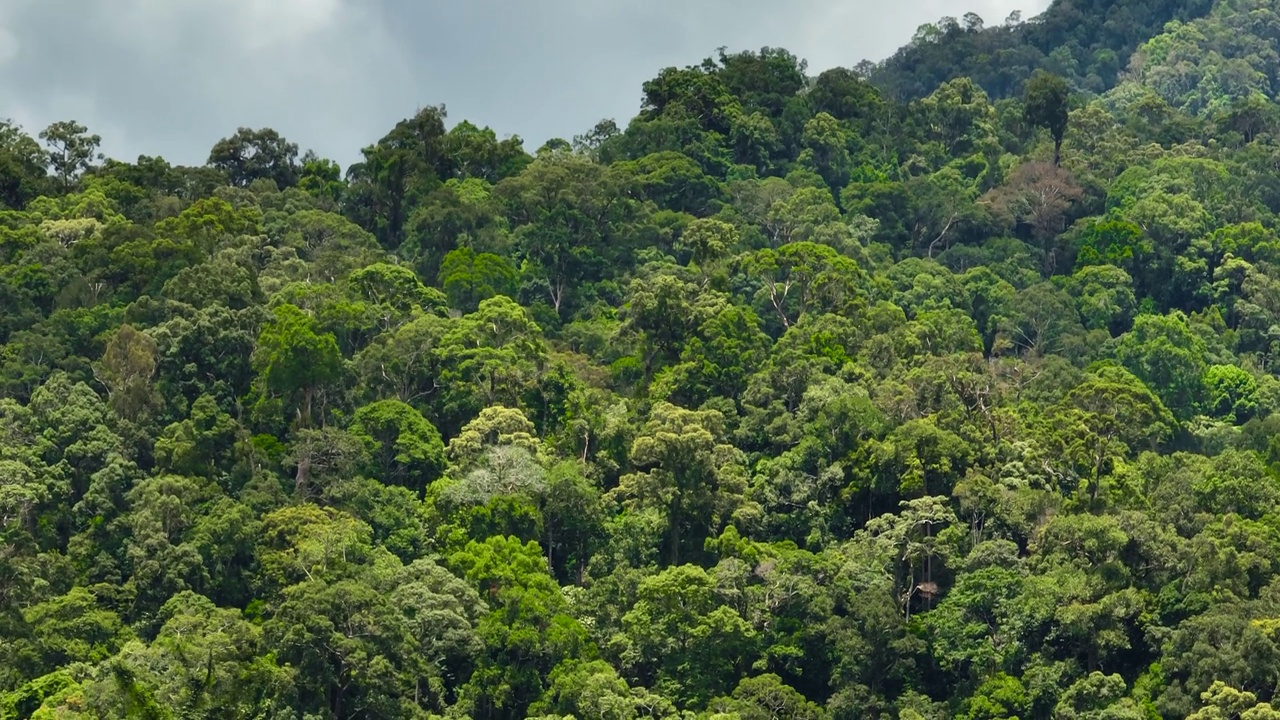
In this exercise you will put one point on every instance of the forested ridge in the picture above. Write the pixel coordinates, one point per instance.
(798, 397)
(1090, 42)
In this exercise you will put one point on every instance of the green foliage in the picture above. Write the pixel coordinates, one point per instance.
(682, 639)
(796, 397)
(1089, 42)
(1045, 103)
(405, 449)
(252, 155)
(295, 361)
(469, 278)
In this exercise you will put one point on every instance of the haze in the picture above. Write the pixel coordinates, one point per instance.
(171, 77)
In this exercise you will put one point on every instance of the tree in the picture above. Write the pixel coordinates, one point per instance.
(803, 277)
(71, 149)
(1039, 196)
(208, 659)
(827, 150)
(574, 516)
(1043, 320)
(718, 362)
(251, 155)
(73, 628)
(495, 425)
(689, 475)
(527, 632)
(321, 177)
(160, 559)
(406, 449)
(594, 689)
(501, 471)
(127, 369)
(394, 290)
(1118, 415)
(1097, 696)
(843, 94)
(766, 696)
(697, 94)
(707, 241)
(942, 205)
(295, 362)
(567, 214)
(469, 278)
(960, 119)
(1220, 645)
(673, 181)
(349, 643)
(497, 353)
(966, 628)
(910, 543)
(1105, 297)
(22, 166)
(404, 363)
(1222, 701)
(396, 173)
(477, 153)
(1167, 354)
(670, 633)
(1232, 393)
(202, 445)
(1046, 102)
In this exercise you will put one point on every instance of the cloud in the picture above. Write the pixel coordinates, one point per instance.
(8, 41)
(171, 77)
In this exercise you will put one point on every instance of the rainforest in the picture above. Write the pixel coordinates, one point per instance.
(946, 386)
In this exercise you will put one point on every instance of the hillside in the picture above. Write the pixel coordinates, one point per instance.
(1225, 63)
(792, 398)
(1089, 42)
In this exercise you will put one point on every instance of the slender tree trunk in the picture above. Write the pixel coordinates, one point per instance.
(308, 396)
(303, 474)
(673, 532)
(551, 542)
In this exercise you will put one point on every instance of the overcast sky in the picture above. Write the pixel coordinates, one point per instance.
(171, 77)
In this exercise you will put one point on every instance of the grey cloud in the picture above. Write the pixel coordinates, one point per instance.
(170, 77)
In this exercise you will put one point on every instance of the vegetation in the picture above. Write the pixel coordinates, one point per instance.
(1090, 42)
(796, 398)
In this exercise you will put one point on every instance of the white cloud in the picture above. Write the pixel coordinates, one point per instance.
(288, 21)
(9, 42)
(180, 74)
(171, 77)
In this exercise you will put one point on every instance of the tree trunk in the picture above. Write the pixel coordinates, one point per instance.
(307, 397)
(303, 474)
(673, 532)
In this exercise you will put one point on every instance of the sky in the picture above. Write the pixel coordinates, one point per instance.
(171, 77)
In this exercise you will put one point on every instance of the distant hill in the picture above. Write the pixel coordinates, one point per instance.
(1087, 41)
(1226, 61)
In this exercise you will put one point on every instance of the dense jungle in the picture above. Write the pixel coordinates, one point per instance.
(941, 387)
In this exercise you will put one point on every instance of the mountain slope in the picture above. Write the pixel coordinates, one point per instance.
(1087, 41)
(788, 400)
(1214, 62)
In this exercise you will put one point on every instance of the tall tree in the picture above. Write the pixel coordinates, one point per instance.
(71, 149)
(396, 174)
(251, 155)
(295, 361)
(22, 166)
(1047, 103)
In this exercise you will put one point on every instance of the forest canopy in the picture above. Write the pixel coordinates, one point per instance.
(939, 388)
